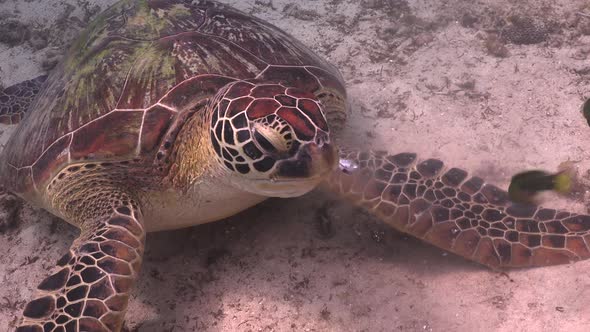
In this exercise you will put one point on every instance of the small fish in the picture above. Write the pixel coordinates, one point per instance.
(586, 110)
(525, 186)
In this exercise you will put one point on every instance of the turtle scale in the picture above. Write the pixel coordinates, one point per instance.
(136, 77)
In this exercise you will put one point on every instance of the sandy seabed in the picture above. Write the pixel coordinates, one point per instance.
(458, 80)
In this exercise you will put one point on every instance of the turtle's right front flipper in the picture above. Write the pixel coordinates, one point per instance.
(16, 99)
(89, 289)
(458, 213)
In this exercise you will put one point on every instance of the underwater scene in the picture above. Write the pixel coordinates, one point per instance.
(311, 165)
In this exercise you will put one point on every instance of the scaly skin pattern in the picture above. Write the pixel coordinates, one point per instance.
(89, 289)
(15, 100)
(458, 213)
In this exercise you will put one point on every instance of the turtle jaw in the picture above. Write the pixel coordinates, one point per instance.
(300, 174)
(310, 161)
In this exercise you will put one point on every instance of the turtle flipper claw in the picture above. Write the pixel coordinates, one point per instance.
(459, 213)
(90, 287)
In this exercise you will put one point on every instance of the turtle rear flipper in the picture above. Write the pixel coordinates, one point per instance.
(90, 288)
(16, 99)
(458, 213)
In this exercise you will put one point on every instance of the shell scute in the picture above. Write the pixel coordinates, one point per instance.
(137, 68)
(57, 154)
(256, 37)
(267, 91)
(121, 138)
(329, 80)
(190, 92)
(297, 77)
(155, 122)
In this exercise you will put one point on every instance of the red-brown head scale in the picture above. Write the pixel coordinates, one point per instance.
(273, 140)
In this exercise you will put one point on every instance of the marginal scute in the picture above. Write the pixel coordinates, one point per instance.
(54, 156)
(297, 77)
(329, 80)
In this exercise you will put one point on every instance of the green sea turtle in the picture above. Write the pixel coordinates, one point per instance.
(170, 113)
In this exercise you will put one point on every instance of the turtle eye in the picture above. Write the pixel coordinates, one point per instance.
(264, 143)
(273, 137)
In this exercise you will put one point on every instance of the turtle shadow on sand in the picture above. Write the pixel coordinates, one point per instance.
(259, 255)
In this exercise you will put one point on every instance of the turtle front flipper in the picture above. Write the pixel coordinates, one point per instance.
(90, 288)
(16, 99)
(458, 213)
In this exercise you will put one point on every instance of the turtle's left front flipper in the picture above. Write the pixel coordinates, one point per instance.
(458, 213)
(89, 289)
(16, 99)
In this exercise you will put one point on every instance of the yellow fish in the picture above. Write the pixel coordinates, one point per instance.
(525, 186)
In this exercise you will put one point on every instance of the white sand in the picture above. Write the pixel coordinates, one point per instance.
(278, 273)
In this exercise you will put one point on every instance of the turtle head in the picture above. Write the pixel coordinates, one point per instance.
(271, 140)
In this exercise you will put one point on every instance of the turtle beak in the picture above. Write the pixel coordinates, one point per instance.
(313, 160)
